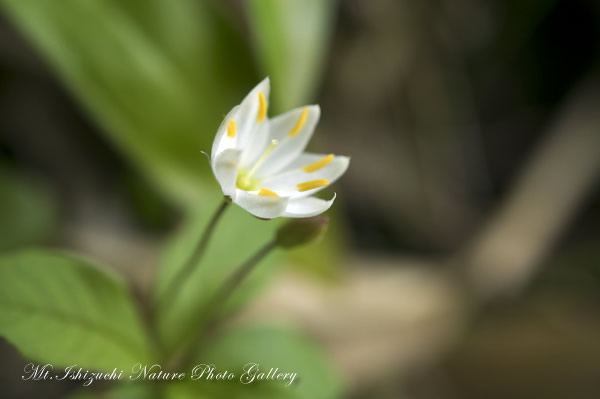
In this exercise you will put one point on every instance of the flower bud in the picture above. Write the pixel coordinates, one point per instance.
(298, 232)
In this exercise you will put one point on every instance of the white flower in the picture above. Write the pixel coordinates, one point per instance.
(261, 165)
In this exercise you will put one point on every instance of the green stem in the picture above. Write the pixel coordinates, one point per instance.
(240, 275)
(175, 286)
(223, 294)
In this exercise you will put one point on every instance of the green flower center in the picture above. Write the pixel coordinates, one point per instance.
(246, 182)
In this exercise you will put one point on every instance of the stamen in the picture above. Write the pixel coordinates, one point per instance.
(313, 167)
(309, 185)
(300, 123)
(231, 129)
(263, 192)
(262, 107)
(262, 158)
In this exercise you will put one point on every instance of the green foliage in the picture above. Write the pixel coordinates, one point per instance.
(59, 309)
(126, 390)
(291, 39)
(270, 347)
(27, 210)
(237, 237)
(273, 347)
(158, 76)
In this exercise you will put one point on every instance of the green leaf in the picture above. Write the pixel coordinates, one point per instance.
(291, 38)
(237, 237)
(122, 390)
(28, 210)
(218, 390)
(270, 347)
(60, 309)
(158, 76)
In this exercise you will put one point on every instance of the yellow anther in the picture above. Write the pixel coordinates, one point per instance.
(263, 192)
(231, 129)
(262, 107)
(300, 123)
(309, 185)
(313, 167)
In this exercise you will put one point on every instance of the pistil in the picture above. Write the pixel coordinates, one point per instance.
(245, 181)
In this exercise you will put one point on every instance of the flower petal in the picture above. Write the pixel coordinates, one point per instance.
(266, 207)
(256, 145)
(307, 207)
(222, 141)
(293, 131)
(286, 182)
(225, 167)
(247, 115)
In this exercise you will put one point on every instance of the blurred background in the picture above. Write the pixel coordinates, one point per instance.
(463, 258)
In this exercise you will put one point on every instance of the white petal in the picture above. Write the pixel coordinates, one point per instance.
(256, 145)
(246, 118)
(285, 183)
(289, 147)
(222, 141)
(307, 207)
(265, 207)
(225, 168)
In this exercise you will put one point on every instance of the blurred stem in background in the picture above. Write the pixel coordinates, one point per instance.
(290, 38)
(504, 256)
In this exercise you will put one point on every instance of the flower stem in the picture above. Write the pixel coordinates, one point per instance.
(240, 274)
(222, 295)
(174, 287)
